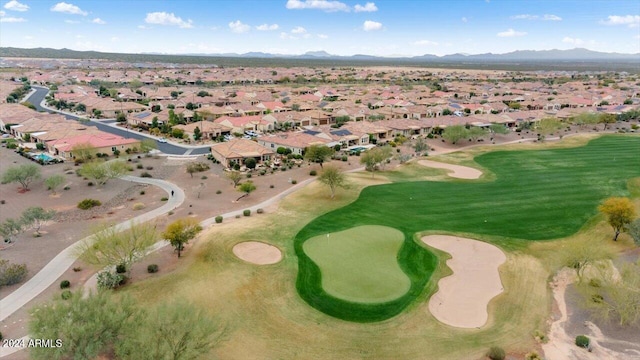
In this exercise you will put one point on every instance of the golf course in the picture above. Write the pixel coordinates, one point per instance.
(535, 195)
(355, 278)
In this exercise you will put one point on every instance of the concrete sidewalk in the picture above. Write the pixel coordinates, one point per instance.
(58, 265)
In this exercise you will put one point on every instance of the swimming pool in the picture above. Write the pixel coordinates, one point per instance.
(44, 157)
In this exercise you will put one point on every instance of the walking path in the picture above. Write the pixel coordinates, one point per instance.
(58, 265)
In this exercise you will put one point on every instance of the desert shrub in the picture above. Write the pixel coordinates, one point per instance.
(246, 212)
(145, 175)
(263, 172)
(313, 173)
(89, 183)
(65, 284)
(11, 273)
(540, 336)
(170, 213)
(496, 353)
(294, 181)
(77, 268)
(582, 341)
(203, 177)
(66, 188)
(149, 167)
(532, 356)
(218, 192)
(142, 192)
(249, 176)
(109, 280)
(164, 198)
(66, 295)
(344, 158)
(271, 186)
(88, 204)
(121, 268)
(140, 166)
(152, 268)
(260, 211)
(218, 219)
(138, 206)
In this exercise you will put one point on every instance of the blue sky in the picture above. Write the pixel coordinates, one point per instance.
(342, 27)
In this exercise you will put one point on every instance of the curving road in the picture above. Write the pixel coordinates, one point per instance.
(37, 99)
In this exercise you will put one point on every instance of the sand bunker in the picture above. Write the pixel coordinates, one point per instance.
(458, 171)
(462, 298)
(257, 252)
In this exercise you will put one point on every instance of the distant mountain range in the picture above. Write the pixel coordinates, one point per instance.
(579, 54)
(573, 59)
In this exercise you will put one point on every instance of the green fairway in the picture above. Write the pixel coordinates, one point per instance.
(360, 264)
(536, 195)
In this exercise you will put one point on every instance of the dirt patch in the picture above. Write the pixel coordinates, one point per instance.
(457, 171)
(462, 297)
(257, 252)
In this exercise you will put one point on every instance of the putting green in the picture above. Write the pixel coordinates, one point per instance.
(360, 264)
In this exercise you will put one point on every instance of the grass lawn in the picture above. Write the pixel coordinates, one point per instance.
(360, 264)
(536, 195)
(267, 319)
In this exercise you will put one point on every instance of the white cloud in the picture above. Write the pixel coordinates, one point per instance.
(464, 19)
(425, 43)
(324, 5)
(286, 36)
(16, 6)
(511, 33)
(629, 20)
(72, 21)
(545, 17)
(164, 18)
(371, 26)
(551, 17)
(368, 7)
(238, 27)
(298, 30)
(11, 20)
(267, 27)
(323, 36)
(572, 41)
(98, 21)
(28, 37)
(114, 39)
(63, 7)
(142, 27)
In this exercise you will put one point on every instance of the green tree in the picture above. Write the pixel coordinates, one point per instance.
(476, 133)
(318, 153)
(23, 174)
(53, 182)
(455, 133)
(548, 126)
(250, 163)
(607, 119)
(34, 217)
(179, 232)
(197, 134)
(154, 122)
(634, 231)
(235, 177)
(333, 178)
(420, 146)
(83, 152)
(173, 331)
(619, 212)
(146, 145)
(579, 256)
(247, 188)
(108, 246)
(375, 158)
(498, 129)
(11, 228)
(87, 326)
(121, 117)
(102, 172)
(446, 112)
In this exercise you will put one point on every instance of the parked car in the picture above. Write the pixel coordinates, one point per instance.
(251, 133)
(162, 140)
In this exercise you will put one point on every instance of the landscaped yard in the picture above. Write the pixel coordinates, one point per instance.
(523, 196)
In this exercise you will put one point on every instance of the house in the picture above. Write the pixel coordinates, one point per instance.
(101, 142)
(208, 129)
(241, 124)
(237, 151)
(294, 141)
